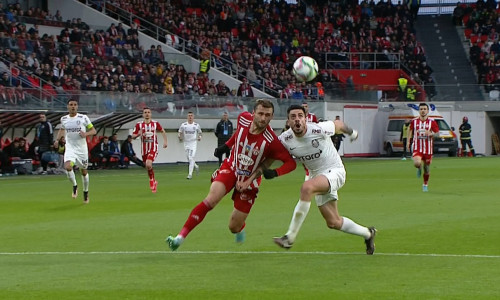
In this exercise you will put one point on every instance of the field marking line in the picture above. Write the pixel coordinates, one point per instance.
(243, 252)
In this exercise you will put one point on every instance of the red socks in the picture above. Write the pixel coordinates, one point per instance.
(426, 178)
(195, 217)
(151, 174)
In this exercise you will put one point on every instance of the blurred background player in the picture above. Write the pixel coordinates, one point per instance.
(75, 127)
(190, 133)
(311, 143)
(223, 131)
(253, 142)
(423, 130)
(465, 137)
(146, 129)
(310, 116)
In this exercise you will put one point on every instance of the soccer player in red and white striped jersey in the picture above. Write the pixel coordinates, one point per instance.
(147, 129)
(252, 142)
(422, 130)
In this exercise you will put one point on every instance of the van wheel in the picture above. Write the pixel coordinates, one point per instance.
(389, 150)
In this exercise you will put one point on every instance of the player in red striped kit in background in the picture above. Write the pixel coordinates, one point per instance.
(147, 129)
(423, 130)
(252, 142)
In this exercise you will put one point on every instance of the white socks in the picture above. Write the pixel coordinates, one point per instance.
(191, 166)
(71, 177)
(299, 215)
(349, 226)
(85, 180)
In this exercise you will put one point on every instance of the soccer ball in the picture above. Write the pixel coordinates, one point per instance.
(305, 68)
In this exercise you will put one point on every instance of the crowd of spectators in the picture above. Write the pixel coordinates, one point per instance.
(258, 40)
(481, 22)
(262, 40)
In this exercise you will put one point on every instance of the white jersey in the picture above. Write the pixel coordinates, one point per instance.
(73, 125)
(190, 132)
(315, 149)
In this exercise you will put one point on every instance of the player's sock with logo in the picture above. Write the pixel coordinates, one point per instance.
(71, 177)
(86, 180)
(195, 217)
(299, 215)
(349, 226)
(426, 178)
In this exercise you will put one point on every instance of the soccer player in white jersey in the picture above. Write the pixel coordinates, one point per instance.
(147, 129)
(75, 128)
(310, 143)
(190, 134)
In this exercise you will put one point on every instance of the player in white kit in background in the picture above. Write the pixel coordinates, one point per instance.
(76, 127)
(310, 143)
(190, 133)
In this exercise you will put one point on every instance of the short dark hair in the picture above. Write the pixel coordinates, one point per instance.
(295, 106)
(264, 103)
(72, 99)
(423, 104)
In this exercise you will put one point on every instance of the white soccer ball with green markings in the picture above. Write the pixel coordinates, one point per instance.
(305, 68)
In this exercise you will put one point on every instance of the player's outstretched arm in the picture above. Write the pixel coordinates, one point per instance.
(165, 141)
(60, 134)
(341, 127)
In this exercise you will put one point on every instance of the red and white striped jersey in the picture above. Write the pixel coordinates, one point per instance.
(311, 118)
(249, 150)
(421, 142)
(149, 138)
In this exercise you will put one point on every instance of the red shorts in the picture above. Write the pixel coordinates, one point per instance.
(150, 155)
(242, 201)
(427, 158)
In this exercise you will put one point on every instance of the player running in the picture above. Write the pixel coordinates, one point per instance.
(423, 130)
(147, 129)
(311, 144)
(75, 128)
(252, 142)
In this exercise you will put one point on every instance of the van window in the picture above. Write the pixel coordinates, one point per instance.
(395, 125)
(442, 125)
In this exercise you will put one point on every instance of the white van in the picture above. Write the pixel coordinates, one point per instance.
(446, 142)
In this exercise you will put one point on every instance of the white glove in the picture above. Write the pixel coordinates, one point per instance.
(354, 135)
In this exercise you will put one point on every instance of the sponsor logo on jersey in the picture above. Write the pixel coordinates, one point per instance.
(316, 131)
(243, 172)
(310, 156)
(245, 159)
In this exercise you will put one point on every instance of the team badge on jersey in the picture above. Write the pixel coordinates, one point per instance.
(315, 143)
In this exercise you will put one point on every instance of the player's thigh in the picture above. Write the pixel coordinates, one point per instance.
(82, 161)
(336, 180)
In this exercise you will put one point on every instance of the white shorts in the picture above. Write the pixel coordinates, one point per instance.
(190, 151)
(336, 178)
(81, 160)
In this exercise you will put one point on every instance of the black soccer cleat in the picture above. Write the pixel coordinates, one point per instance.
(283, 242)
(370, 243)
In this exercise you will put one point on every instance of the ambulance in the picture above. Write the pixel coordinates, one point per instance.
(446, 142)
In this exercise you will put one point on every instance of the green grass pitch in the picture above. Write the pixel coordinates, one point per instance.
(444, 244)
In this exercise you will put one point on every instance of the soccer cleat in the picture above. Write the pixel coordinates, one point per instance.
(189, 177)
(240, 237)
(153, 188)
(370, 243)
(173, 243)
(85, 197)
(404, 158)
(419, 173)
(74, 194)
(197, 169)
(283, 242)
(425, 188)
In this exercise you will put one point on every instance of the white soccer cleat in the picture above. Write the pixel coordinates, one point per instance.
(354, 135)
